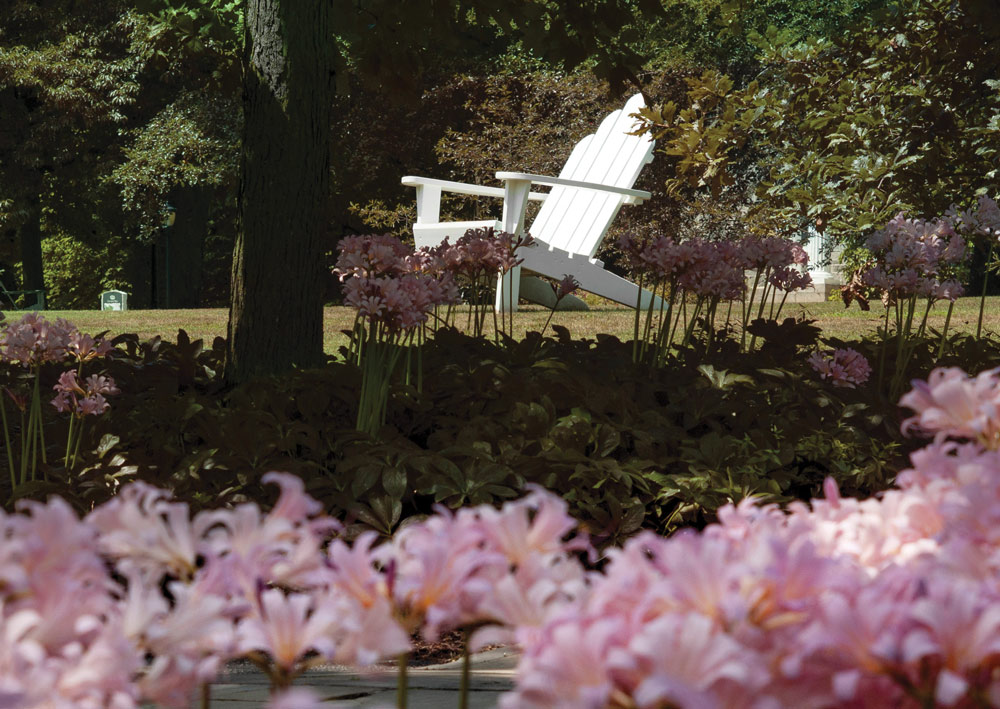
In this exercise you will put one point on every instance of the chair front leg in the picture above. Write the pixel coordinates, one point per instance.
(515, 204)
(508, 289)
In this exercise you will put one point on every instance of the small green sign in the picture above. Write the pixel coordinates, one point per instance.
(114, 300)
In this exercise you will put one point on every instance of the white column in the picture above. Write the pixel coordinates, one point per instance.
(515, 203)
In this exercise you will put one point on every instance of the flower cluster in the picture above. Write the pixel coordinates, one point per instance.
(953, 404)
(710, 272)
(713, 268)
(29, 343)
(882, 602)
(371, 256)
(64, 641)
(384, 282)
(401, 303)
(33, 340)
(477, 253)
(143, 601)
(984, 220)
(843, 367)
(914, 258)
(83, 398)
(508, 568)
(771, 253)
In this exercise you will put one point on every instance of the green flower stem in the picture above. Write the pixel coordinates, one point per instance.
(27, 446)
(747, 307)
(420, 362)
(463, 685)
(662, 345)
(982, 297)
(710, 323)
(401, 682)
(206, 695)
(690, 324)
(923, 321)
(496, 328)
(944, 332)
(648, 327)
(682, 312)
(6, 440)
(882, 350)
(551, 313)
(635, 328)
(763, 302)
(69, 442)
(40, 425)
(76, 448)
(781, 305)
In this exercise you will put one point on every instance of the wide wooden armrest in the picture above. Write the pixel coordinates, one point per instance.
(632, 196)
(464, 188)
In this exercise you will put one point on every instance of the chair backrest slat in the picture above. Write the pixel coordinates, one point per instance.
(575, 219)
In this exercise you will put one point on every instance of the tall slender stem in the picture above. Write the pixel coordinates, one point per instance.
(401, 680)
(635, 333)
(38, 414)
(76, 448)
(944, 332)
(27, 447)
(882, 351)
(982, 297)
(747, 307)
(781, 305)
(463, 686)
(6, 440)
(69, 442)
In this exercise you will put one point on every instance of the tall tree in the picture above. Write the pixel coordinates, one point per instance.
(276, 312)
(294, 56)
(66, 79)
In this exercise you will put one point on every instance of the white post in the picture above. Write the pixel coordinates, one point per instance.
(428, 204)
(814, 247)
(515, 203)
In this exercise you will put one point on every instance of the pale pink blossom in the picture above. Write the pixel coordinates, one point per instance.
(951, 403)
(83, 398)
(287, 627)
(684, 659)
(33, 340)
(843, 367)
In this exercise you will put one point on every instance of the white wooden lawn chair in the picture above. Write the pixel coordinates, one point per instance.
(573, 219)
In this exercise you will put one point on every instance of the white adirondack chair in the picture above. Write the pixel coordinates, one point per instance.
(573, 219)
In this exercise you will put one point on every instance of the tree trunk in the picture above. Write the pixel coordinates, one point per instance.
(276, 307)
(32, 272)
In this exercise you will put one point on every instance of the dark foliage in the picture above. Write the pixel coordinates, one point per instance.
(627, 446)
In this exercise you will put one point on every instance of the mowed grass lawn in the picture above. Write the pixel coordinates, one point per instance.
(209, 323)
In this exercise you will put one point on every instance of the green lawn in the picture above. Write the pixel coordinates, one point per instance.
(211, 322)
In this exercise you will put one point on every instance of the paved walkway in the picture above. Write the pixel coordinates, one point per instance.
(431, 687)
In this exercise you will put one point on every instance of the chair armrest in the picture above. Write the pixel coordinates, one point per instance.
(464, 188)
(631, 196)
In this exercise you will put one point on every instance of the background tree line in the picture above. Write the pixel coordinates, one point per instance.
(770, 116)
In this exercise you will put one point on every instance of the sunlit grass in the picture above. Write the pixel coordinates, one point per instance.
(208, 323)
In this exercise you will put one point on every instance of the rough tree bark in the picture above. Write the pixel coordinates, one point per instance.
(276, 308)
